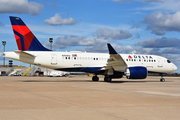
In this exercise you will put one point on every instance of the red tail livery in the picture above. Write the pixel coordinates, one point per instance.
(26, 41)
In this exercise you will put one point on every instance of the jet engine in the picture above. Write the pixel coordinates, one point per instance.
(136, 72)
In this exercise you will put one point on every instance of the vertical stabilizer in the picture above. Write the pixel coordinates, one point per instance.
(25, 39)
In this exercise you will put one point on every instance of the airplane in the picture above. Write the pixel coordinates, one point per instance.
(112, 65)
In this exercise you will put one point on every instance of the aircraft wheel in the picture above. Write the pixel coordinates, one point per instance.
(162, 80)
(95, 78)
(107, 79)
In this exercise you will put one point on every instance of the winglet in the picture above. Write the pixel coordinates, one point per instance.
(111, 49)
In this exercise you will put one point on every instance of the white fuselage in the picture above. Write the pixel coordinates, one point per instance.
(71, 61)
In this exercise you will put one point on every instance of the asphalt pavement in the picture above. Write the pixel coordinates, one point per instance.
(78, 98)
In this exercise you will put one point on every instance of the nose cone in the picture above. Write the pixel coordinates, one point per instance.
(174, 67)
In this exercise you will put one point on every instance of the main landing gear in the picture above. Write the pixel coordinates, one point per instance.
(95, 78)
(107, 78)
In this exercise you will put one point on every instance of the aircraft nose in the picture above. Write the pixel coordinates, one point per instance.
(174, 67)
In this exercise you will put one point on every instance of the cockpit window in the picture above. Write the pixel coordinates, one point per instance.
(168, 61)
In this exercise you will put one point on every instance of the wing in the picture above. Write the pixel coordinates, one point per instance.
(115, 62)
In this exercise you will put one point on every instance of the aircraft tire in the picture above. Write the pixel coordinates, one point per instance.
(107, 79)
(162, 80)
(95, 78)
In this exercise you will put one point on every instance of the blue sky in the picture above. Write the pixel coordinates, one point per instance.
(131, 26)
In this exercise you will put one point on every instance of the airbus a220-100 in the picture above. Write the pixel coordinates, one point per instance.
(112, 65)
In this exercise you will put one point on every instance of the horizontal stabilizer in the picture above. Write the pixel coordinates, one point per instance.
(25, 54)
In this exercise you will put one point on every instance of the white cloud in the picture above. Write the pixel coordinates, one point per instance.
(167, 5)
(102, 48)
(160, 23)
(58, 20)
(20, 7)
(139, 0)
(101, 38)
(71, 41)
(153, 0)
(171, 50)
(106, 33)
(123, 49)
(123, 0)
(159, 42)
(1, 24)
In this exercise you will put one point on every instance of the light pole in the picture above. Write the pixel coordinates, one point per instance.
(51, 41)
(4, 43)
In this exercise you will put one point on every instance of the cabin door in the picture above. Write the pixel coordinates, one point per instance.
(53, 59)
(160, 62)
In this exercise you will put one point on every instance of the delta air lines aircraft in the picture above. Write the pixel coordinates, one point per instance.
(112, 65)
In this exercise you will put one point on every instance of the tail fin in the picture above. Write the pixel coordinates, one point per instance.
(26, 41)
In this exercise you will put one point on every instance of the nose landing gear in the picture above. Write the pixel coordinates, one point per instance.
(162, 79)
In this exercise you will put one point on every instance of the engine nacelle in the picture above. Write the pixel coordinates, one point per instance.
(136, 72)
